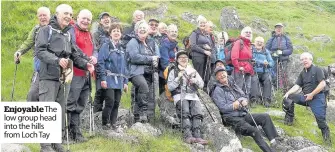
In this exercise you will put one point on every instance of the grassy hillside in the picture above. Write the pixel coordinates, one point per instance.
(314, 18)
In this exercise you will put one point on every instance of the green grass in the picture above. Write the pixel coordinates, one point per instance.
(18, 18)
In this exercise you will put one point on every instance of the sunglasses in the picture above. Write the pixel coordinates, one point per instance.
(156, 25)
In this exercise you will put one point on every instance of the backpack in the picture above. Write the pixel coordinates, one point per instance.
(228, 48)
(186, 42)
(166, 73)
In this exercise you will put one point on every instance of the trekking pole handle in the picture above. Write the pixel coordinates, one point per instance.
(17, 57)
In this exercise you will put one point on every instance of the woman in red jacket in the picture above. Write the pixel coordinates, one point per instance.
(241, 57)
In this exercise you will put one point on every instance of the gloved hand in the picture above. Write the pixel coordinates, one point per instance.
(275, 54)
(279, 52)
(17, 56)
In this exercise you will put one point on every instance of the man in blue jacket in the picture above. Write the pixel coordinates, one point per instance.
(231, 101)
(262, 78)
(281, 48)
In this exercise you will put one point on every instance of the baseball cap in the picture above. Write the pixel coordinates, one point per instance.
(279, 24)
(153, 20)
(102, 15)
(218, 69)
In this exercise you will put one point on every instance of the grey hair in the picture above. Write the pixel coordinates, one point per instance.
(85, 11)
(141, 23)
(306, 54)
(172, 27)
(259, 38)
(43, 8)
(201, 19)
(137, 12)
(60, 7)
(247, 28)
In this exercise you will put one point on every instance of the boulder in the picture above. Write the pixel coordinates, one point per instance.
(331, 111)
(313, 149)
(301, 48)
(145, 129)
(220, 137)
(14, 148)
(230, 20)
(157, 13)
(259, 26)
(294, 68)
(321, 38)
(123, 119)
(189, 17)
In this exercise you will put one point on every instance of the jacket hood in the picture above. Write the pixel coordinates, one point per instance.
(245, 40)
(54, 24)
(273, 33)
(172, 44)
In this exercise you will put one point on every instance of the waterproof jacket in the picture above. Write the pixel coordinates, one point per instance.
(181, 87)
(167, 51)
(59, 46)
(198, 40)
(99, 35)
(222, 56)
(280, 42)
(140, 57)
(29, 43)
(84, 41)
(214, 48)
(260, 57)
(242, 57)
(224, 96)
(112, 66)
(128, 34)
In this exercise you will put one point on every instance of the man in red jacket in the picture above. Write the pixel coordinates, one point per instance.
(80, 85)
(241, 57)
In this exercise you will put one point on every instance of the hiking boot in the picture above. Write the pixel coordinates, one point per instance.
(46, 148)
(253, 102)
(326, 136)
(106, 127)
(97, 108)
(288, 120)
(143, 117)
(58, 147)
(201, 141)
(80, 138)
(190, 140)
(267, 104)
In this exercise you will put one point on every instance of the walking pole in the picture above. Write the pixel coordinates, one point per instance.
(245, 85)
(259, 128)
(90, 100)
(205, 76)
(16, 63)
(66, 114)
(277, 74)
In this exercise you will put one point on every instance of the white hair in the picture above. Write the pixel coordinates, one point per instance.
(246, 29)
(306, 54)
(43, 9)
(61, 7)
(161, 25)
(222, 35)
(201, 19)
(259, 38)
(85, 11)
(141, 23)
(138, 12)
(209, 23)
(172, 27)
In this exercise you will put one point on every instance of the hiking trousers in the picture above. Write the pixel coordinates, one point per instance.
(317, 105)
(265, 83)
(50, 90)
(140, 92)
(245, 126)
(33, 91)
(112, 102)
(190, 113)
(199, 64)
(78, 95)
(243, 81)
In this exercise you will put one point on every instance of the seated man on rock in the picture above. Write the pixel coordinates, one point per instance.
(183, 82)
(232, 102)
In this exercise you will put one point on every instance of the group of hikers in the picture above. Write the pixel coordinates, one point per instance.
(68, 56)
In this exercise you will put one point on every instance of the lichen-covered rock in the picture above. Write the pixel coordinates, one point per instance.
(230, 20)
(14, 148)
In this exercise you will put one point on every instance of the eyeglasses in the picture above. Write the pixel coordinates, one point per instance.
(156, 25)
(183, 57)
